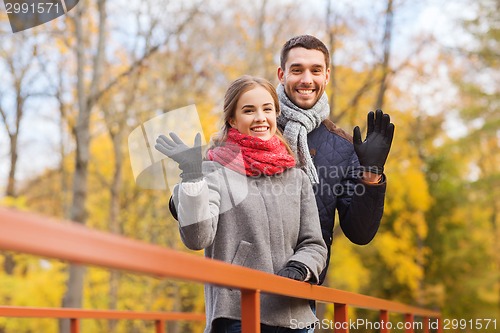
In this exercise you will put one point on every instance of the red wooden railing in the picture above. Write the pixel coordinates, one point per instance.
(74, 315)
(29, 233)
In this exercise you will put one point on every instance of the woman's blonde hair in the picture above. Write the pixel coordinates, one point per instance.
(233, 93)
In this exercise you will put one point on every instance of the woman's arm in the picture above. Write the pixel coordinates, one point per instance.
(197, 205)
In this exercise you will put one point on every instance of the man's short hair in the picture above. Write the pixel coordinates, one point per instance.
(306, 41)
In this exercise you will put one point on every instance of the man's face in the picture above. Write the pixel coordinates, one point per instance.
(305, 76)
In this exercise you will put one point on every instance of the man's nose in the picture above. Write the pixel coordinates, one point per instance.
(306, 77)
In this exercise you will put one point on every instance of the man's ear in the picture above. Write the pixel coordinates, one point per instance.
(281, 75)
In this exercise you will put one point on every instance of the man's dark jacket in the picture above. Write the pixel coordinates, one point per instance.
(360, 205)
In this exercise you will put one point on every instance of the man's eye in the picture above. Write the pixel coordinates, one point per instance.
(296, 71)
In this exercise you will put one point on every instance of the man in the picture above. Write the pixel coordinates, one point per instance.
(346, 173)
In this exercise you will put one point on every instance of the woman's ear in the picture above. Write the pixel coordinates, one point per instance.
(232, 123)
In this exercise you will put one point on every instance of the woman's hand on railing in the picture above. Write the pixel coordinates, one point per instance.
(294, 270)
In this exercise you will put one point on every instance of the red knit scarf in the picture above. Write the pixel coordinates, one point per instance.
(252, 156)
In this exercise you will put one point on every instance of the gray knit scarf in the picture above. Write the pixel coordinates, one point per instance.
(297, 123)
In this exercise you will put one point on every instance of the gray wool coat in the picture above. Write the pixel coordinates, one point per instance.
(256, 222)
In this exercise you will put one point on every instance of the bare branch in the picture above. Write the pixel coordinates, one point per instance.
(138, 63)
(98, 61)
(5, 121)
(366, 86)
(386, 43)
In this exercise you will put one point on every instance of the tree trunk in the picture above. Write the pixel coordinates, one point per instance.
(14, 133)
(258, 64)
(331, 28)
(496, 227)
(9, 263)
(11, 181)
(389, 14)
(114, 220)
(114, 286)
(74, 292)
(63, 121)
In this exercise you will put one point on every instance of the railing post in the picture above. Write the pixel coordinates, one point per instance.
(440, 325)
(74, 325)
(340, 316)
(384, 319)
(409, 320)
(426, 322)
(160, 326)
(250, 311)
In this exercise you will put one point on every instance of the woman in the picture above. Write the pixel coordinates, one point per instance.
(248, 205)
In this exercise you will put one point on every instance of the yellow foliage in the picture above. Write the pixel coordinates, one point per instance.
(401, 258)
(210, 119)
(348, 82)
(19, 202)
(35, 282)
(345, 259)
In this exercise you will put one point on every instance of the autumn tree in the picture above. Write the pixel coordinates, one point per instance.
(19, 63)
(477, 77)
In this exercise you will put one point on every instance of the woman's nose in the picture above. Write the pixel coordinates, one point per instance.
(260, 116)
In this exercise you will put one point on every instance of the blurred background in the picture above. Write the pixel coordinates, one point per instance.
(72, 90)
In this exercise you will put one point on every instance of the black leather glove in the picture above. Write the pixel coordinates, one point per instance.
(171, 207)
(294, 270)
(372, 153)
(189, 159)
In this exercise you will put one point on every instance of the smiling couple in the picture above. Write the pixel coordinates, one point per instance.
(278, 137)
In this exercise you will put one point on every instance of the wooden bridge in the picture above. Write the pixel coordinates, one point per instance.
(32, 234)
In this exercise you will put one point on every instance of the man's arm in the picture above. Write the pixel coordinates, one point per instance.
(361, 210)
(361, 205)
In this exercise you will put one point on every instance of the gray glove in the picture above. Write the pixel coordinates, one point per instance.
(189, 159)
(372, 153)
(294, 270)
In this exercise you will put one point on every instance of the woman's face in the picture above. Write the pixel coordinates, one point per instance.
(255, 114)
